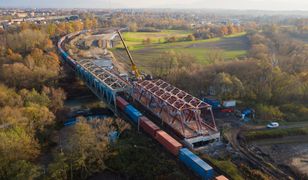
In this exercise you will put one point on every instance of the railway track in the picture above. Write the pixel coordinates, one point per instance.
(266, 167)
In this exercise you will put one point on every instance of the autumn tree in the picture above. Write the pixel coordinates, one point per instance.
(11, 116)
(133, 27)
(57, 95)
(27, 40)
(215, 55)
(77, 25)
(8, 97)
(268, 112)
(231, 29)
(17, 150)
(147, 41)
(227, 86)
(59, 168)
(171, 39)
(172, 61)
(51, 29)
(224, 30)
(22, 169)
(17, 75)
(36, 70)
(84, 150)
(191, 37)
(13, 57)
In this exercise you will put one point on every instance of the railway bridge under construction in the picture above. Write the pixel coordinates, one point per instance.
(190, 119)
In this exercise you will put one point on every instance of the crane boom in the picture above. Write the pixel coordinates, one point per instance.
(133, 65)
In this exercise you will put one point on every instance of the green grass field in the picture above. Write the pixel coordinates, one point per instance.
(154, 36)
(134, 39)
(231, 46)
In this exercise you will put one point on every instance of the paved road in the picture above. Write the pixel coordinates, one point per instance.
(284, 126)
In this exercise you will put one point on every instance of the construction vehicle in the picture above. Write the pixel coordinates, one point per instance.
(134, 68)
(246, 114)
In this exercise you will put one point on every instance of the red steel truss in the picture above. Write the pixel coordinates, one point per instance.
(186, 114)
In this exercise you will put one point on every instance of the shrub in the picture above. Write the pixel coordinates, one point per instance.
(295, 112)
(268, 112)
(274, 133)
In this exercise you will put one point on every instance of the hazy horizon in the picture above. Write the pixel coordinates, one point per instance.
(275, 5)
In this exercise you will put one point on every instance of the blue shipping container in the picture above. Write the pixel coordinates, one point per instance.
(64, 55)
(133, 113)
(196, 164)
(213, 102)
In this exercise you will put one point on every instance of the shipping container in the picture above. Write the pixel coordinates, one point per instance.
(168, 142)
(196, 164)
(221, 178)
(64, 55)
(227, 104)
(215, 103)
(121, 103)
(133, 113)
(148, 126)
(227, 110)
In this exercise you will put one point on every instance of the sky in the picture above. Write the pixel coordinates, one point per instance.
(207, 4)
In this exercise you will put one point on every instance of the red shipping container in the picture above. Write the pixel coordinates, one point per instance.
(148, 126)
(168, 142)
(121, 103)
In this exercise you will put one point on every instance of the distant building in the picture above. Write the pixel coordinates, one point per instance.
(32, 14)
(22, 14)
(236, 22)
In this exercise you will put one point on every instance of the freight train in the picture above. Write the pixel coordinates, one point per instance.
(113, 90)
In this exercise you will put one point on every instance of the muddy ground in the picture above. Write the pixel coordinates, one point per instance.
(289, 152)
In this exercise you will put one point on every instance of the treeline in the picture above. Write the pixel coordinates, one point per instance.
(273, 80)
(72, 26)
(171, 39)
(212, 31)
(147, 20)
(206, 32)
(56, 29)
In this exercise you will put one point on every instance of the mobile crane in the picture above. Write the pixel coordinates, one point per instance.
(133, 65)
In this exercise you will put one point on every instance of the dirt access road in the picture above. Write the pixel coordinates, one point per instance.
(282, 150)
(258, 162)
